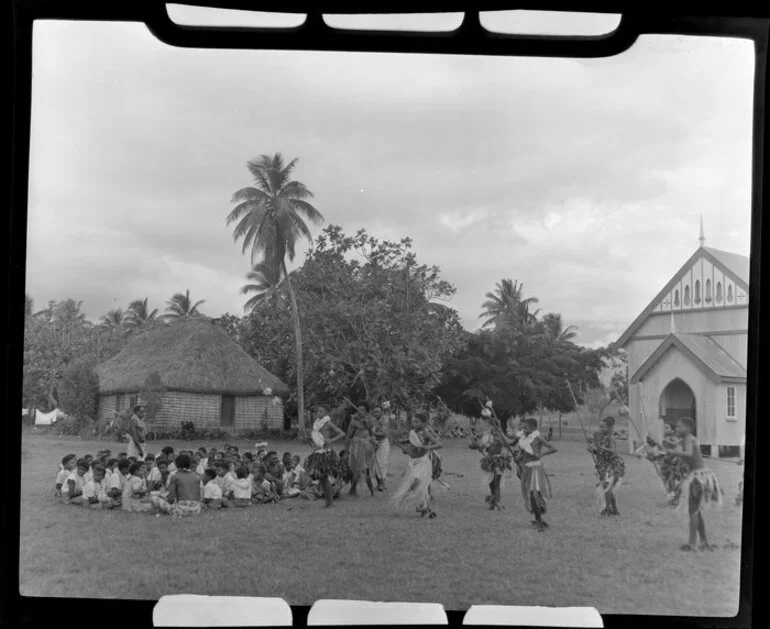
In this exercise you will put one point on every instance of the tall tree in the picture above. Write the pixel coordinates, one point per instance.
(180, 305)
(270, 218)
(266, 287)
(554, 327)
(139, 312)
(506, 306)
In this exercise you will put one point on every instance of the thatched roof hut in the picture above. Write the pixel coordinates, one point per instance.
(208, 377)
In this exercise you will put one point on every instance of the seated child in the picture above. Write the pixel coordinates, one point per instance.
(72, 490)
(212, 494)
(220, 467)
(273, 472)
(158, 486)
(168, 454)
(122, 456)
(118, 479)
(184, 491)
(110, 469)
(67, 466)
(262, 489)
(203, 461)
(241, 488)
(90, 460)
(135, 496)
(95, 491)
(299, 472)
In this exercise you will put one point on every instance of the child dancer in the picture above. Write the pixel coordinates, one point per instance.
(494, 463)
(414, 492)
(671, 469)
(362, 457)
(609, 466)
(700, 488)
(535, 486)
(323, 465)
(184, 491)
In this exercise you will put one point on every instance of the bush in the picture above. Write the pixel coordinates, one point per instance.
(66, 426)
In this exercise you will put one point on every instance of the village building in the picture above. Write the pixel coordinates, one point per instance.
(687, 353)
(208, 379)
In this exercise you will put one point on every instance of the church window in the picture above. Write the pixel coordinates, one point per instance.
(696, 299)
(686, 295)
(730, 294)
(676, 298)
(731, 401)
(708, 292)
(719, 292)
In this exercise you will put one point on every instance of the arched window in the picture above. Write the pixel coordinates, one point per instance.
(719, 292)
(730, 294)
(676, 298)
(696, 299)
(708, 292)
(686, 295)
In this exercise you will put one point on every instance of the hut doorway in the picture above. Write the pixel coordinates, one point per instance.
(227, 415)
(677, 401)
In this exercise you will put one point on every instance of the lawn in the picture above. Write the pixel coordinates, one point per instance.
(359, 549)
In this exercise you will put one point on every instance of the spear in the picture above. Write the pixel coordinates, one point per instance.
(580, 421)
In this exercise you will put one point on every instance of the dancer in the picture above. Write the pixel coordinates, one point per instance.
(361, 448)
(609, 466)
(535, 486)
(415, 488)
(323, 465)
(495, 462)
(700, 488)
(671, 469)
(382, 449)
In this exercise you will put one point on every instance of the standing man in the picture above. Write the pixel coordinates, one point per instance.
(382, 449)
(137, 432)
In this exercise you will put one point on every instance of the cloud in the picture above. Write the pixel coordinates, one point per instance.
(583, 179)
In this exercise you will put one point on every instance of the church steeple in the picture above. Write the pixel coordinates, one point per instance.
(702, 239)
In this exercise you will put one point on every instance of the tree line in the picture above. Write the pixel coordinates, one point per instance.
(360, 318)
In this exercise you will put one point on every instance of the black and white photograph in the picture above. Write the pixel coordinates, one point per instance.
(433, 328)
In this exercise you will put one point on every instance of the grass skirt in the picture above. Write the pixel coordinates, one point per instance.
(534, 479)
(323, 464)
(700, 489)
(495, 465)
(414, 492)
(361, 456)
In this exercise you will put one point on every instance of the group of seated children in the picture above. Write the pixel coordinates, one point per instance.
(187, 483)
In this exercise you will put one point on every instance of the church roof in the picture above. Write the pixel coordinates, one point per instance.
(732, 264)
(735, 262)
(709, 356)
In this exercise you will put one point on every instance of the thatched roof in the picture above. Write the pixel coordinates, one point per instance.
(192, 354)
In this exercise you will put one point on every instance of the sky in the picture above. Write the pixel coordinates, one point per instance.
(585, 180)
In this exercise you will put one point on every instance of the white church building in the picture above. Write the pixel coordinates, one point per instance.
(687, 353)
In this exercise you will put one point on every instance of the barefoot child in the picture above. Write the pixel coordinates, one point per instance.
(700, 487)
(609, 467)
(494, 463)
(323, 465)
(535, 486)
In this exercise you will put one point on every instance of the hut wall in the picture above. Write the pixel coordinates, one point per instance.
(257, 412)
(106, 407)
(177, 407)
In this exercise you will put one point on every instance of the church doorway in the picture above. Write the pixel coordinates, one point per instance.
(677, 401)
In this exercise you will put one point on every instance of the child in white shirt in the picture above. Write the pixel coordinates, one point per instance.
(135, 496)
(241, 488)
(212, 494)
(67, 466)
(72, 490)
(95, 491)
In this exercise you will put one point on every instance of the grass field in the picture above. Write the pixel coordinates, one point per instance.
(359, 549)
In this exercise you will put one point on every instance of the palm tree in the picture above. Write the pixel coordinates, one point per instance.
(268, 286)
(181, 306)
(554, 328)
(505, 306)
(270, 220)
(139, 312)
(115, 319)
